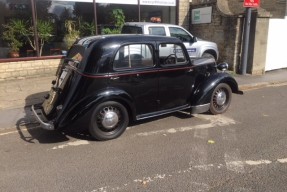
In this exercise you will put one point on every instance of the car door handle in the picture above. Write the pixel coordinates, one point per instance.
(190, 70)
(114, 78)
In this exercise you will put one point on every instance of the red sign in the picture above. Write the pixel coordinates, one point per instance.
(251, 3)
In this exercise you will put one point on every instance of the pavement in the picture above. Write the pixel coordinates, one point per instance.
(17, 95)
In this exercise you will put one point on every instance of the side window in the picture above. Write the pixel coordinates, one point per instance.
(171, 54)
(180, 34)
(131, 30)
(157, 31)
(134, 56)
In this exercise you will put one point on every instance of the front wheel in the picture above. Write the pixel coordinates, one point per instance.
(208, 55)
(221, 99)
(108, 121)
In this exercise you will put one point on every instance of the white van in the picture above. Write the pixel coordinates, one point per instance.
(196, 47)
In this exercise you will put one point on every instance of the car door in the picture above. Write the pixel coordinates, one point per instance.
(175, 76)
(135, 73)
(187, 40)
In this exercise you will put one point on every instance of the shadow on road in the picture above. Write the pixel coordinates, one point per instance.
(29, 129)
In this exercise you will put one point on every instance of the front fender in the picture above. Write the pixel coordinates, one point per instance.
(84, 106)
(202, 94)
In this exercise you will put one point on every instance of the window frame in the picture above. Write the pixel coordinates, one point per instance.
(179, 35)
(130, 67)
(150, 29)
(176, 63)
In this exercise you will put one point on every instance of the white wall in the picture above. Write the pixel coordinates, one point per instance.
(276, 57)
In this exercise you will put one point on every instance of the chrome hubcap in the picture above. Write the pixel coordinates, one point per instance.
(220, 98)
(109, 117)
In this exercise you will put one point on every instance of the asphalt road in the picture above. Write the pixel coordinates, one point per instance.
(243, 150)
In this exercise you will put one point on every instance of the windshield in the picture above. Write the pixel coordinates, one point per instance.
(131, 30)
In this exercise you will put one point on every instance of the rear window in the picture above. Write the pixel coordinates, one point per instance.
(132, 30)
(75, 55)
(76, 52)
(157, 31)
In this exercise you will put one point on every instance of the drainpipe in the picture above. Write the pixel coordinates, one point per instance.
(177, 12)
(139, 10)
(246, 40)
(34, 17)
(95, 16)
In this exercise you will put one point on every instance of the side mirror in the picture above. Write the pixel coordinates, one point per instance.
(194, 39)
(222, 66)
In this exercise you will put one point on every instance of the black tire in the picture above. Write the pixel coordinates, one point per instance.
(208, 55)
(220, 99)
(117, 120)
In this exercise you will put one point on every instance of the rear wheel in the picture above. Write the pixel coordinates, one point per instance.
(108, 121)
(221, 99)
(208, 55)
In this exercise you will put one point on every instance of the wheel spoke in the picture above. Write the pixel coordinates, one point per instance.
(109, 118)
(219, 99)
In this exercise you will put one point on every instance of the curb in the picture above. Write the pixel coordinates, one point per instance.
(247, 87)
(21, 103)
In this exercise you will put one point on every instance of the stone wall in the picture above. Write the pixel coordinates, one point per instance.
(225, 31)
(184, 14)
(21, 69)
(260, 47)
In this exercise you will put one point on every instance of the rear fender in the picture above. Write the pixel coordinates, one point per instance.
(203, 92)
(82, 108)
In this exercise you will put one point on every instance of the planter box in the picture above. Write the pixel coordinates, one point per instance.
(22, 68)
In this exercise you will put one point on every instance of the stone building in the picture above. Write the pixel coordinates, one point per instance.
(227, 26)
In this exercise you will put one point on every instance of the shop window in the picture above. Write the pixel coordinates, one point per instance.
(80, 13)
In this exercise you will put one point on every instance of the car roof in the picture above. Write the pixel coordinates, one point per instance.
(125, 38)
(141, 24)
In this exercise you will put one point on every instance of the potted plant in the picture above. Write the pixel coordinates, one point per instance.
(13, 35)
(87, 29)
(72, 34)
(45, 30)
(118, 18)
(17, 30)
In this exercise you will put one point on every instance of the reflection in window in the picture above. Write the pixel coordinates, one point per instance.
(134, 56)
(132, 30)
(157, 31)
(171, 54)
(80, 16)
(180, 34)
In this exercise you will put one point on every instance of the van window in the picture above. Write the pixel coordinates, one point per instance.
(157, 31)
(134, 56)
(180, 34)
(131, 30)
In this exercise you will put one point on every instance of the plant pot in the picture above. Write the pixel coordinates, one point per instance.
(14, 54)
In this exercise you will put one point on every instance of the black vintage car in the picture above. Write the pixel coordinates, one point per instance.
(105, 82)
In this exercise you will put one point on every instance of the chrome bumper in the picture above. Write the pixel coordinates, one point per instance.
(44, 125)
(200, 108)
